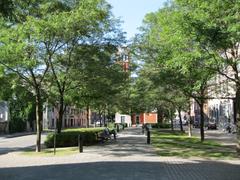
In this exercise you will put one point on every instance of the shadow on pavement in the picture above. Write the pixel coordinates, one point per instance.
(13, 149)
(129, 143)
(198, 170)
(130, 146)
(7, 136)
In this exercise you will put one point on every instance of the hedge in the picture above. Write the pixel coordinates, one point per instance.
(160, 125)
(69, 137)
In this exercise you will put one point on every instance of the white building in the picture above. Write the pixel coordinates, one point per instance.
(221, 109)
(123, 118)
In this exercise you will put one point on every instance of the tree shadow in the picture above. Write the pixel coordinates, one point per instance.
(6, 150)
(139, 170)
(122, 147)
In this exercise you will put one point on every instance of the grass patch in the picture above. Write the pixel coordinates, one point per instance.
(180, 145)
(50, 152)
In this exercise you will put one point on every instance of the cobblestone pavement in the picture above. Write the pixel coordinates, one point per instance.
(128, 158)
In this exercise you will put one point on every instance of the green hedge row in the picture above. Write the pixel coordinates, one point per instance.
(69, 137)
(161, 125)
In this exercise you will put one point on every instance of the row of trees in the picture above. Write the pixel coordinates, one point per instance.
(61, 52)
(186, 44)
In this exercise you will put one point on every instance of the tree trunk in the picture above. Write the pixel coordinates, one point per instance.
(100, 117)
(201, 120)
(170, 113)
(160, 115)
(38, 120)
(172, 124)
(60, 115)
(88, 119)
(189, 122)
(180, 119)
(237, 101)
(104, 118)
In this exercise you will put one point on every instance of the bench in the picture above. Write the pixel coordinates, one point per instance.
(105, 135)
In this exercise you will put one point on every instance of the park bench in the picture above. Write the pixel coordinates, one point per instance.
(105, 135)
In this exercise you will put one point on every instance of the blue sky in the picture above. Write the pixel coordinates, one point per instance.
(132, 12)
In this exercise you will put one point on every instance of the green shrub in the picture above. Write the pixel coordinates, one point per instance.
(125, 124)
(111, 125)
(160, 125)
(17, 125)
(69, 137)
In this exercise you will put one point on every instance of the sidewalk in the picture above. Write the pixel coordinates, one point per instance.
(128, 158)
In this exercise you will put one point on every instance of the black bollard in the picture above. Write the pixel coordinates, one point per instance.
(114, 135)
(148, 137)
(80, 143)
(117, 127)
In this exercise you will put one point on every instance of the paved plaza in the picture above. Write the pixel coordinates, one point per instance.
(128, 158)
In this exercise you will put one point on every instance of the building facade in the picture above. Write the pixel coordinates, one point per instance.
(123, 58)
(144, 118)
(123, 119)
(4, 117)
(220, 106)
(73, 117)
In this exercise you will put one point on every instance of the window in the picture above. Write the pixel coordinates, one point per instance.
(65, 122)
(137, 119)
(221, 110)
(122, 119)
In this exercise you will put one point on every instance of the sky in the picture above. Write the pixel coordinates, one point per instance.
(132, 12)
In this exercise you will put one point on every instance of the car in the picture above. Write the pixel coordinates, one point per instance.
(196, 124)
(212, 125)
(184, 122)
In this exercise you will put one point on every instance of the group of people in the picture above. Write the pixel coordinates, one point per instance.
(106, 133)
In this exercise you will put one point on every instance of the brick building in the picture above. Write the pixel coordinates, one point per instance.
(73, 117)
(144, 118)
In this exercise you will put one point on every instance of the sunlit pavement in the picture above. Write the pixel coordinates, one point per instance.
(127, 158)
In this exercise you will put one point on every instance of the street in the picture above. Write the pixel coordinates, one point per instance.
(13, 143)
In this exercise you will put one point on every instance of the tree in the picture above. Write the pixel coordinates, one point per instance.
(20, 53)
(180, 61)
(20, 102)
(41, 39)
(215, 26)
(6, 8)
(155, 93)
(24, 52)
(86, 36)
(102, 78)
